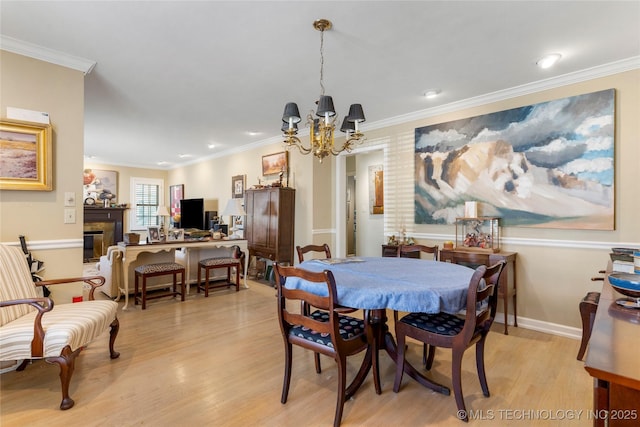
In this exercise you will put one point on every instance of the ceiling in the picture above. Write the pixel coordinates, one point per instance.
(173, 77)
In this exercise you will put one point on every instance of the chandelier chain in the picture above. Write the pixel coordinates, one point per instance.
(322, 62)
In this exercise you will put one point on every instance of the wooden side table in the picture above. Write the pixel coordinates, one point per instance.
(507, 287)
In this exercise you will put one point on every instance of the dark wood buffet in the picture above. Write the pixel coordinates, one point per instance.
(270, 226)
(613, 360)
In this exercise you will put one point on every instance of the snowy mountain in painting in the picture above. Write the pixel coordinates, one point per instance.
(543, 165)
(506, 183)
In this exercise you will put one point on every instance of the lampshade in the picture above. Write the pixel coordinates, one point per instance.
(291, 111)
(347, 126)
(325, 105)
(234, 208)
(355, 113)
(162, 211)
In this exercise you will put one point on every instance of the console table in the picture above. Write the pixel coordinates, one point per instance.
(614, 363)
(507, 287)
(131, 252)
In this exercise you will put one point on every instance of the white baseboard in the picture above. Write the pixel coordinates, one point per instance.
(541, 326)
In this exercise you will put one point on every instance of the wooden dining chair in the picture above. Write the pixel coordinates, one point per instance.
(323, 331)
(505, 293)
(456, 332)
(313, 248)
(409, 251)
(301, 250)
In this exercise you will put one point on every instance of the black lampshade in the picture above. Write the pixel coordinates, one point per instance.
(356, 114)
(325, 105)
(347, 126)
(291, 110)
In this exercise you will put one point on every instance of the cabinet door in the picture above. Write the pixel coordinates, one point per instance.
(258, 218)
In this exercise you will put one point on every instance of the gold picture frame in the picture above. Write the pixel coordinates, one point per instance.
(275, 163)
(26, 156)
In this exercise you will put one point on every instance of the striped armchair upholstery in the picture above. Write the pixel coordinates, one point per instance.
(32, 328)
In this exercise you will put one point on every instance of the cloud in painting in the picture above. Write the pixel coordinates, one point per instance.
(543, 165)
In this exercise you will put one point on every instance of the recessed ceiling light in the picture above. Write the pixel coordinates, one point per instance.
(430, 94)
(212, 146)
(253, 133)
(161, 163)
(184, 156)
(548, 60)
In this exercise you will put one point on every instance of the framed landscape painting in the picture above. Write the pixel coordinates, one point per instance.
(275, 163)
(547, 165)
(25, 156)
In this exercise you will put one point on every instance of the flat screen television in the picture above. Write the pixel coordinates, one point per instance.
(192, 213)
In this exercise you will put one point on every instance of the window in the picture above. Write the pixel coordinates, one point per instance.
(147, 194)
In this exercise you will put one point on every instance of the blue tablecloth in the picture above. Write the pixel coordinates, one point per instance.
(402, 284)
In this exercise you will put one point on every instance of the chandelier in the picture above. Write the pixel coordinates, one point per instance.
(322, 127)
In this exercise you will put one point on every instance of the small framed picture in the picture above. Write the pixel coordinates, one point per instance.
(237, 186)
(175, 235)
(154, 234)
(275, 163)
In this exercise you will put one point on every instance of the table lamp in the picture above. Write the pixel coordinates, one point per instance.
(234, 208)
(162, 212)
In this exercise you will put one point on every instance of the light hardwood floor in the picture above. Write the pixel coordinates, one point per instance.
(219, 362)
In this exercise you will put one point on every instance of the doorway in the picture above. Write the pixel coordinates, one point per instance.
(363, 225)
(351, 214)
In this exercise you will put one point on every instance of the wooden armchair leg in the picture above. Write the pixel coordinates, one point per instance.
(66, 361)
(23, 365)
(113, 333)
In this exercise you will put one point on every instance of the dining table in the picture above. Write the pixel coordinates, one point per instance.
(375, 284)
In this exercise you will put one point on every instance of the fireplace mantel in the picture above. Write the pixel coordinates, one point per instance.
(106, 215)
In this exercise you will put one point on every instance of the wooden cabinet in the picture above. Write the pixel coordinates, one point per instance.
(612, 361)
(507, 288)
(270, 227)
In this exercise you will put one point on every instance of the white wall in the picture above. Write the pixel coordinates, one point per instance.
(370, 227)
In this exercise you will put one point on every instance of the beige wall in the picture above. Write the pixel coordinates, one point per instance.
(554, 266)
(35, 85)
(123, 191)
(211, 179)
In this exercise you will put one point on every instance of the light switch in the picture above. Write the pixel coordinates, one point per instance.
(69, 216)
(69, 198)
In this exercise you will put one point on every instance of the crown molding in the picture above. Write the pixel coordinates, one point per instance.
(604, 70)
(44, 54)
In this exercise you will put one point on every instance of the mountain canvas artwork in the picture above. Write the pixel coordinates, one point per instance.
(546, 165)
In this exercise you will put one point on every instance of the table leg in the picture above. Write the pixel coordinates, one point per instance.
(246, 268)
(361, 375)
(126, 262)
(388, 343)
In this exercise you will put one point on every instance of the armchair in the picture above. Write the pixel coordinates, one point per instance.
(32, 328)
(110, 267)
